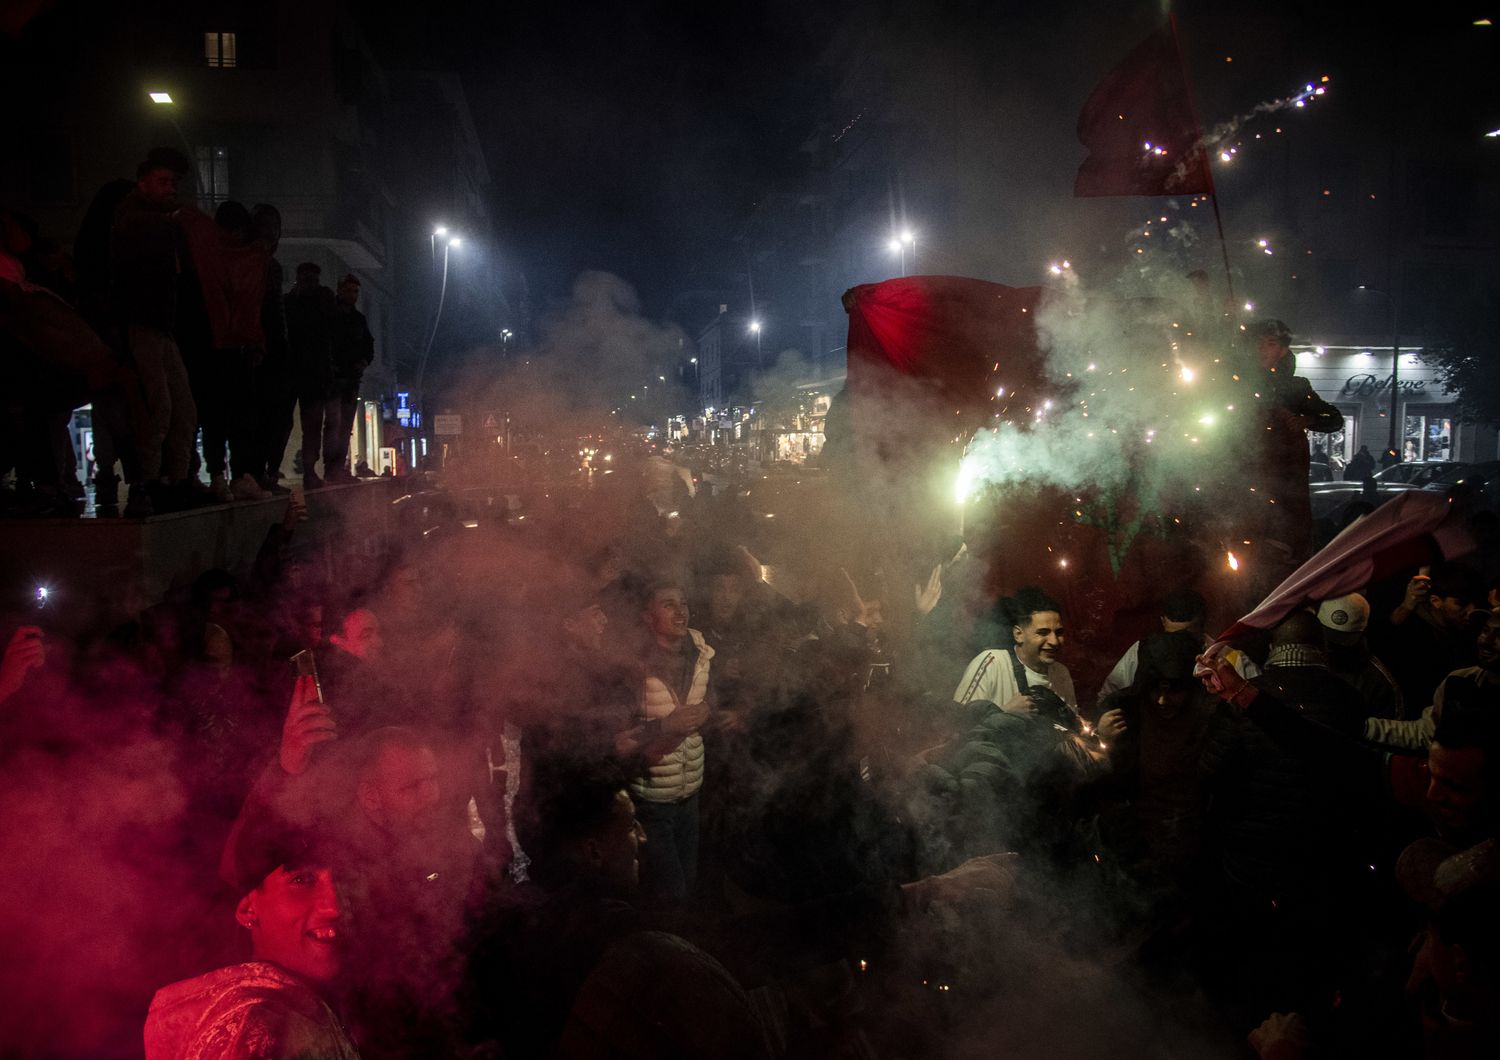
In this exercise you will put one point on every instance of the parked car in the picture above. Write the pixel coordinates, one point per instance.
(1481, 481)
(1460, 473)
(1331, 500)
(1414, 473)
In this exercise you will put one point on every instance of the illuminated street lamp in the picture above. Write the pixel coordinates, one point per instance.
(899, 245)
(160, 97)
(755, 330)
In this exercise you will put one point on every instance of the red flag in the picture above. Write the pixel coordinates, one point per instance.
(933, 358)
(1140, 129)
(960, 338)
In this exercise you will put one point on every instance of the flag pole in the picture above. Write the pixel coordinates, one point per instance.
(1213, 192)
(1223, 248)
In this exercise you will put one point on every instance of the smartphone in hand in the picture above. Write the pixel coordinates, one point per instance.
(304, 665)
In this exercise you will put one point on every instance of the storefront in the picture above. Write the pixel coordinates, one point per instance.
(1358, 381)
(800, 438)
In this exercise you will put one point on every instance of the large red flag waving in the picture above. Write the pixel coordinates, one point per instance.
(1140, 129)
(931, 360)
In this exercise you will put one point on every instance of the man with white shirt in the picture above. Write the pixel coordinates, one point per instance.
(1182, 609)
(1003, 676)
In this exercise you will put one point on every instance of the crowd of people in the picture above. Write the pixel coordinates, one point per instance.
(174, 327)
(601, 785)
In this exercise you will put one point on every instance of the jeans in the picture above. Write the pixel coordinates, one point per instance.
(275, 401)
(169, 419)
(319, 414)
(346, 400)
(669, 857)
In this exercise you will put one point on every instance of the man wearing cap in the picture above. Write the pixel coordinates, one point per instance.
(1344, 619)
(590, 701)
(1289, 409)
(272, 1005)
(1183, 609)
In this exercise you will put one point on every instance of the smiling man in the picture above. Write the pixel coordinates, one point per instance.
(1003, 676)
(272, 1004)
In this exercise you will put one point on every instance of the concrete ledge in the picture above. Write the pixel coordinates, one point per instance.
(140, 560)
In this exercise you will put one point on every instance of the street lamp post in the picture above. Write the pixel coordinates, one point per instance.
(451, 244)
(755, 330)
(1396, 427)
(899, 244)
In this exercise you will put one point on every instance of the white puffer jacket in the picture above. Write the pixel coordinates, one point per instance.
(679, 774)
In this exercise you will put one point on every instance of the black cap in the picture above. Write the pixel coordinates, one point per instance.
(265, 840)
(1272, 328)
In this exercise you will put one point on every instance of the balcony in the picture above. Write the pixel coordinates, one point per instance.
(333, 223)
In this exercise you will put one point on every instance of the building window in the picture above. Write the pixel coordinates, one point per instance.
(219, 50)
(213, 174)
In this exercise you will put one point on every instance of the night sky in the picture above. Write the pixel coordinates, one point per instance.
(624, 137)
(633, 138)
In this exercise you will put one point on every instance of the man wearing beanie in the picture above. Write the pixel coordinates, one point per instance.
(273, 1004)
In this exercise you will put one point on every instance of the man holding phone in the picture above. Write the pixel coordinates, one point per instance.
(1429, 635)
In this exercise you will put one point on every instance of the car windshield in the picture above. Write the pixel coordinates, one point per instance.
(1448, 476)
(1424, 475)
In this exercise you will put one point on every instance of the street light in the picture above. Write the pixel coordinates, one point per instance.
(437, 317)
(437, 233)
(160, 97)
(755, 330)
(899, 245)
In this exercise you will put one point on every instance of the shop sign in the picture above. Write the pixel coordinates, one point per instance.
(447, 424)
(1367, 384)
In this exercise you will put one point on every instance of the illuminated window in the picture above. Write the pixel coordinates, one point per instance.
(219, 49)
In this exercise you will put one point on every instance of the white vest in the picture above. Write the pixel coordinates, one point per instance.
(679, 774)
